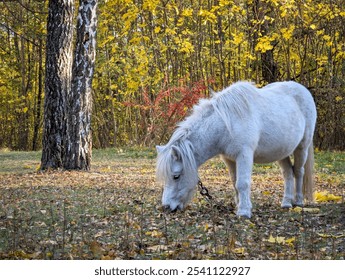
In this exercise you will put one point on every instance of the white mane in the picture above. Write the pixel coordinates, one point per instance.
(234, 100)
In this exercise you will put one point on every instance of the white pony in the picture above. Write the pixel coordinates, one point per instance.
(245, 125)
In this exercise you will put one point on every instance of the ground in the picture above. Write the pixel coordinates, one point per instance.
(114, 212)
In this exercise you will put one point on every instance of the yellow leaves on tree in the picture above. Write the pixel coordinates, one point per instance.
(207, 16)
(287, 33)
(150, 5)
(238, 38)
(264, 44)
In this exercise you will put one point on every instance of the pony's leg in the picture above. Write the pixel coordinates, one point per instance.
(232, 172)
(300, 158)
(244, 165)
(287, 171)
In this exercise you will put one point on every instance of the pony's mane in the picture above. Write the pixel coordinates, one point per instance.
(233, 100)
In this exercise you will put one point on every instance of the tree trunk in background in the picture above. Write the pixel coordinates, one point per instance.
(38, 110)
(78, 133)
(269, 67)
(57, 80)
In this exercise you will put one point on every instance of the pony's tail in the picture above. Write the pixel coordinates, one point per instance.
(308, 179)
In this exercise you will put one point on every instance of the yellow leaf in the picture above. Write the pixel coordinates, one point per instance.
(290, 241)
(277, 239)
(157, 29)
(330, 235)
(280, 240)
(297, 209)
(325, 196)
(239, 251)
(154, 233)
(220, 251)
(309, 210)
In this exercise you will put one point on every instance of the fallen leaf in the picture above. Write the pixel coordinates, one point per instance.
(154, 233)
(277, 239)
(157, 248)
(290, 241)
(305, 209)
(35, 254)
(96, 248)
(239, 251)
(325, 196)
(330, 235)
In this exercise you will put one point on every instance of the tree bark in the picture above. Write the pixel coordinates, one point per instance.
(78, 133)
(57, 80)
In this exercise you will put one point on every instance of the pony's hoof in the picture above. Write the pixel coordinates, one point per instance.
(244, 215)
(285, 205)
(298, 205)
(244, 218)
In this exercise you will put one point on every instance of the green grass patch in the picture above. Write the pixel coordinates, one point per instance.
(22, 162)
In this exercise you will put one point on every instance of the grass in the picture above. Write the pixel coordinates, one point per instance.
(113, 212)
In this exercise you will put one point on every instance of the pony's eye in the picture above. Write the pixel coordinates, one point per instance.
(176, 177)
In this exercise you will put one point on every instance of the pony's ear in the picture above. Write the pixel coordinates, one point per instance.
(175, 152)
(159, 149)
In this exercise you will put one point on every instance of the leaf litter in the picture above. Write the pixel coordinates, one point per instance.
(114, 212)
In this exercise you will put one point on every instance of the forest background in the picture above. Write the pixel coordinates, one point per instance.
(156, 58)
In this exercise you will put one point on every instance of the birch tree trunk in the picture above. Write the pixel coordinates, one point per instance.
(57, 80)
(78, 133)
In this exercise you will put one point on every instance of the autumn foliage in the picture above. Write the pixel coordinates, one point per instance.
(160, 113)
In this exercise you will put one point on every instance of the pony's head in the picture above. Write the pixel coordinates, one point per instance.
(177, 170)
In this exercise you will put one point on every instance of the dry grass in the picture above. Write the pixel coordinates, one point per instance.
(114, 212)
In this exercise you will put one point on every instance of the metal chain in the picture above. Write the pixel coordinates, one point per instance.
(204, 191)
